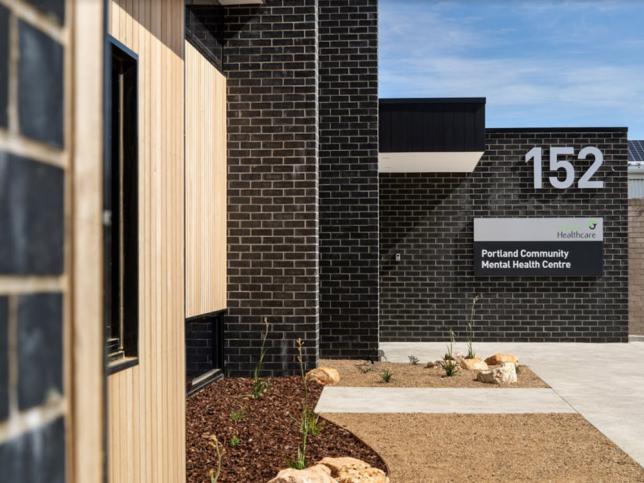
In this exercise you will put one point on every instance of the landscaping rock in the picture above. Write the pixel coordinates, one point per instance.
(505, 374)
(500, 358)
(324, 376)
(352, 470)
(314, 474)
(367, 475)
(474, 364)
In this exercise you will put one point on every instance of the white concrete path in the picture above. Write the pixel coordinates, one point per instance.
(443, 400)
(603, 382)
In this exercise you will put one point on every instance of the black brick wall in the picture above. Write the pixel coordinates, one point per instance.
(428, 219)
(270, 60)
(32, 243)
(348, 157)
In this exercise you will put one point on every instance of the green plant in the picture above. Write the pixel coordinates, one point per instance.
(312, 423)
(259, 385)
(449, 356)
(237, 415)
(219, 449)
(413, 360)
(386, 375)
(450, 366)
(470, 330)
(234, 441)
(307, 421)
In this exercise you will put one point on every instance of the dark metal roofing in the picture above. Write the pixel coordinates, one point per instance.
(636, 150)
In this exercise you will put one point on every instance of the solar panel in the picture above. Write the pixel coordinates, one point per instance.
(636, 150)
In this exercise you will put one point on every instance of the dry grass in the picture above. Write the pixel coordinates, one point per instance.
(355, 373)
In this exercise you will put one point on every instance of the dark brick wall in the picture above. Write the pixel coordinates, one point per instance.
(427, 218)
(270, 60)
(32, 243)
(348, 160)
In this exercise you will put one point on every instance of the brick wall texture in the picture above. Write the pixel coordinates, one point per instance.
(270, 60)
(33, 406)
(428, 219)
(636, 266)
(348, 160)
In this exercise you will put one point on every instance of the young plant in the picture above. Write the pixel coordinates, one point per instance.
(450, 366)
(237, 415)
(386, 375)
(308, 423)
(259, 385)
(413, 360)
(234, 441)
(449, 356)
(219, 450)
(470, 331)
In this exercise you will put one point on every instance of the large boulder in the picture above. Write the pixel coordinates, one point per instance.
(352, 470)
(314, 474)
(505, 374)
(474, 364)
(325, 376)
(500, 358)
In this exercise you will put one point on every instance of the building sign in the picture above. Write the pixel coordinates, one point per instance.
(551, 247)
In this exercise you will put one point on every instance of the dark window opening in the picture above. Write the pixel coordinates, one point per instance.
(120, 205)
(204, 350)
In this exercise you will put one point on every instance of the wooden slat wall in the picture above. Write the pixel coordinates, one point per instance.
(205, 185)
(147, 402)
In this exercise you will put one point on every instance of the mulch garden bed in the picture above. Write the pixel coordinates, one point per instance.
(354, 373)
(268, 431)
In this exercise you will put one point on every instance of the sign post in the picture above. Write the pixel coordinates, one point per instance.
(548, 247)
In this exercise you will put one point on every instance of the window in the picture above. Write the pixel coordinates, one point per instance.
(120, 207)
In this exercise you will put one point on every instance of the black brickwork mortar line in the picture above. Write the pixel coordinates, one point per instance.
(428, 218)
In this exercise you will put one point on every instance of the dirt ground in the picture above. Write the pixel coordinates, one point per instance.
(423, 448)
(354, 373)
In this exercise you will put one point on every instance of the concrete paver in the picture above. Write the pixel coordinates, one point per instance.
(440, 400)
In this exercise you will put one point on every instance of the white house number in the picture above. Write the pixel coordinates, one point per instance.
(585, 182)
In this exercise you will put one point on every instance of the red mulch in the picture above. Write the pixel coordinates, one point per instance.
(269, 431)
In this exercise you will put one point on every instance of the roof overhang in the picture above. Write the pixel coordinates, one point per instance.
(429, 162)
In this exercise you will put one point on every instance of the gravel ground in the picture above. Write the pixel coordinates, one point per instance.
(423, 448)
(267, 431)
(352, 374)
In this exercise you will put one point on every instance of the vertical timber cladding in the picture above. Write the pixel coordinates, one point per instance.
(270, 60)
(205, 185)
(348, 116)
(147, 402)
(428, 219)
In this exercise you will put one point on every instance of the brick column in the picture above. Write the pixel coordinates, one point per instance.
(270, 60)
(33, 162)
(348, 33)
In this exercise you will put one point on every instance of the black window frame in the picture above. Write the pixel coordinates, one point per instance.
(121, 207)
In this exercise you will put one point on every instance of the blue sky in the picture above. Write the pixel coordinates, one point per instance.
(539, 63)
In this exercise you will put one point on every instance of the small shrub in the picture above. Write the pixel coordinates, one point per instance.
(234, 441)
(260, 385)
(450, 366)
(470, 331)
(237, 415)
(449, 355)
(413, 360)
(386, 375)
(219, 449)
(364, 368)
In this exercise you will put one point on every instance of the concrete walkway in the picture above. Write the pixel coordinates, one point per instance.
(443, 400)
(603, 382)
